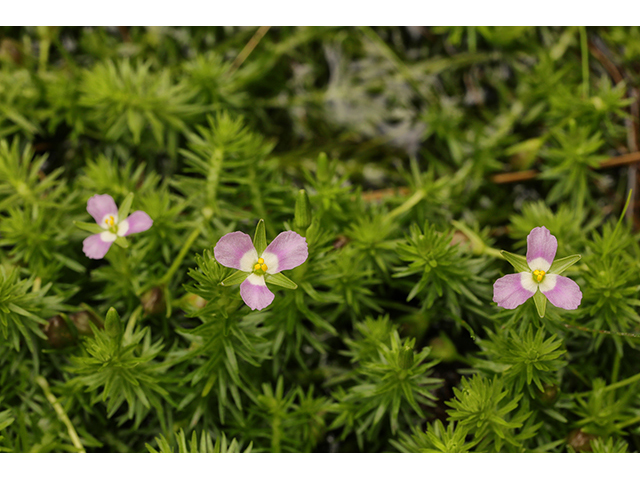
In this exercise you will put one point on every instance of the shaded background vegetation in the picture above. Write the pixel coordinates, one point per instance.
(423, 150)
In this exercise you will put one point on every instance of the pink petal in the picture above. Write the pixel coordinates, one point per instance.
(290, 249)
(541, 244)
(94, 247)
(510, 292)
(255, 293)
(100, 205)
(138, 222)
(564, 294)
(235, 250)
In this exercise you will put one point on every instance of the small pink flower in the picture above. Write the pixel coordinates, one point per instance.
(236, 250)
(513, 290)
(105, 212)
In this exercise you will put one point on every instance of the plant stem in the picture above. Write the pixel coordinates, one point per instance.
(616, 367)
(615, 385)
(411, 202)
(246, 51)
(62, 415)
(585, 61)
(183, 251)
(628, 423)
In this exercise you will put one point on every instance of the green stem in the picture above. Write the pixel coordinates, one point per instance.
(603, 332)
(616, 367)
(615, 385)
(183, 251)
(411, 202)
(45, 44)
(275, 439)
(628, 423)
(478, 246)
(213, 177)
(585, 61)
(62, 415)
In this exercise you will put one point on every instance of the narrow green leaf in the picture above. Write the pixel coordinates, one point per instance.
(541, 302)
(69, 263)
(122, 242)
(235, 278)
(260, 238)
(125, 206)
(518, 261)
(560, 265)
(280, 280)
(89, 227)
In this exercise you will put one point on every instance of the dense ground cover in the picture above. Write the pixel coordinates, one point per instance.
(407, 158)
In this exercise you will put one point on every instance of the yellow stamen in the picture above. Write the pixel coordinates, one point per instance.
(110, 221)
(539, 275)
(260, 265)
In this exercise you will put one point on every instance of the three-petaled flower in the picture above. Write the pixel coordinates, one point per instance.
(258, 265)
(539, 275)
(104, 211)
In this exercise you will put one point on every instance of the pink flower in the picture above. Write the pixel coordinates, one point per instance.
(105, 212)
(541, 275)
(236, 250)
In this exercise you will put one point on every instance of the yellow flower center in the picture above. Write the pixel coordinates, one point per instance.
(110, 221)
(260, 267)
(538, 275)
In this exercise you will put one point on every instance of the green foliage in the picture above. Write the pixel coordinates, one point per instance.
(386, 381)
(286, 422)
(491, 415)
(123, 101)
(610, 445)
(23, 311)
(437, 439)
(117, 367)
(19, 96)
(602, 413)
(611, 296)
(525, 358)
(22, 183)
(205, 445)
(446, 270)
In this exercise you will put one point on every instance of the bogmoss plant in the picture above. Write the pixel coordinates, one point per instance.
(539, 276)
(113, 224)
(388, 172)
(258, 263)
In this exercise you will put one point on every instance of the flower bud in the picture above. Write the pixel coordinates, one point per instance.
(340, 242)
(112, 324)
(58, 333)
(153, 301)
(549, 396)
(443, 349)
(196, 301)
(580, 441)
(83, 320)
(323, 169)
(302, 217)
